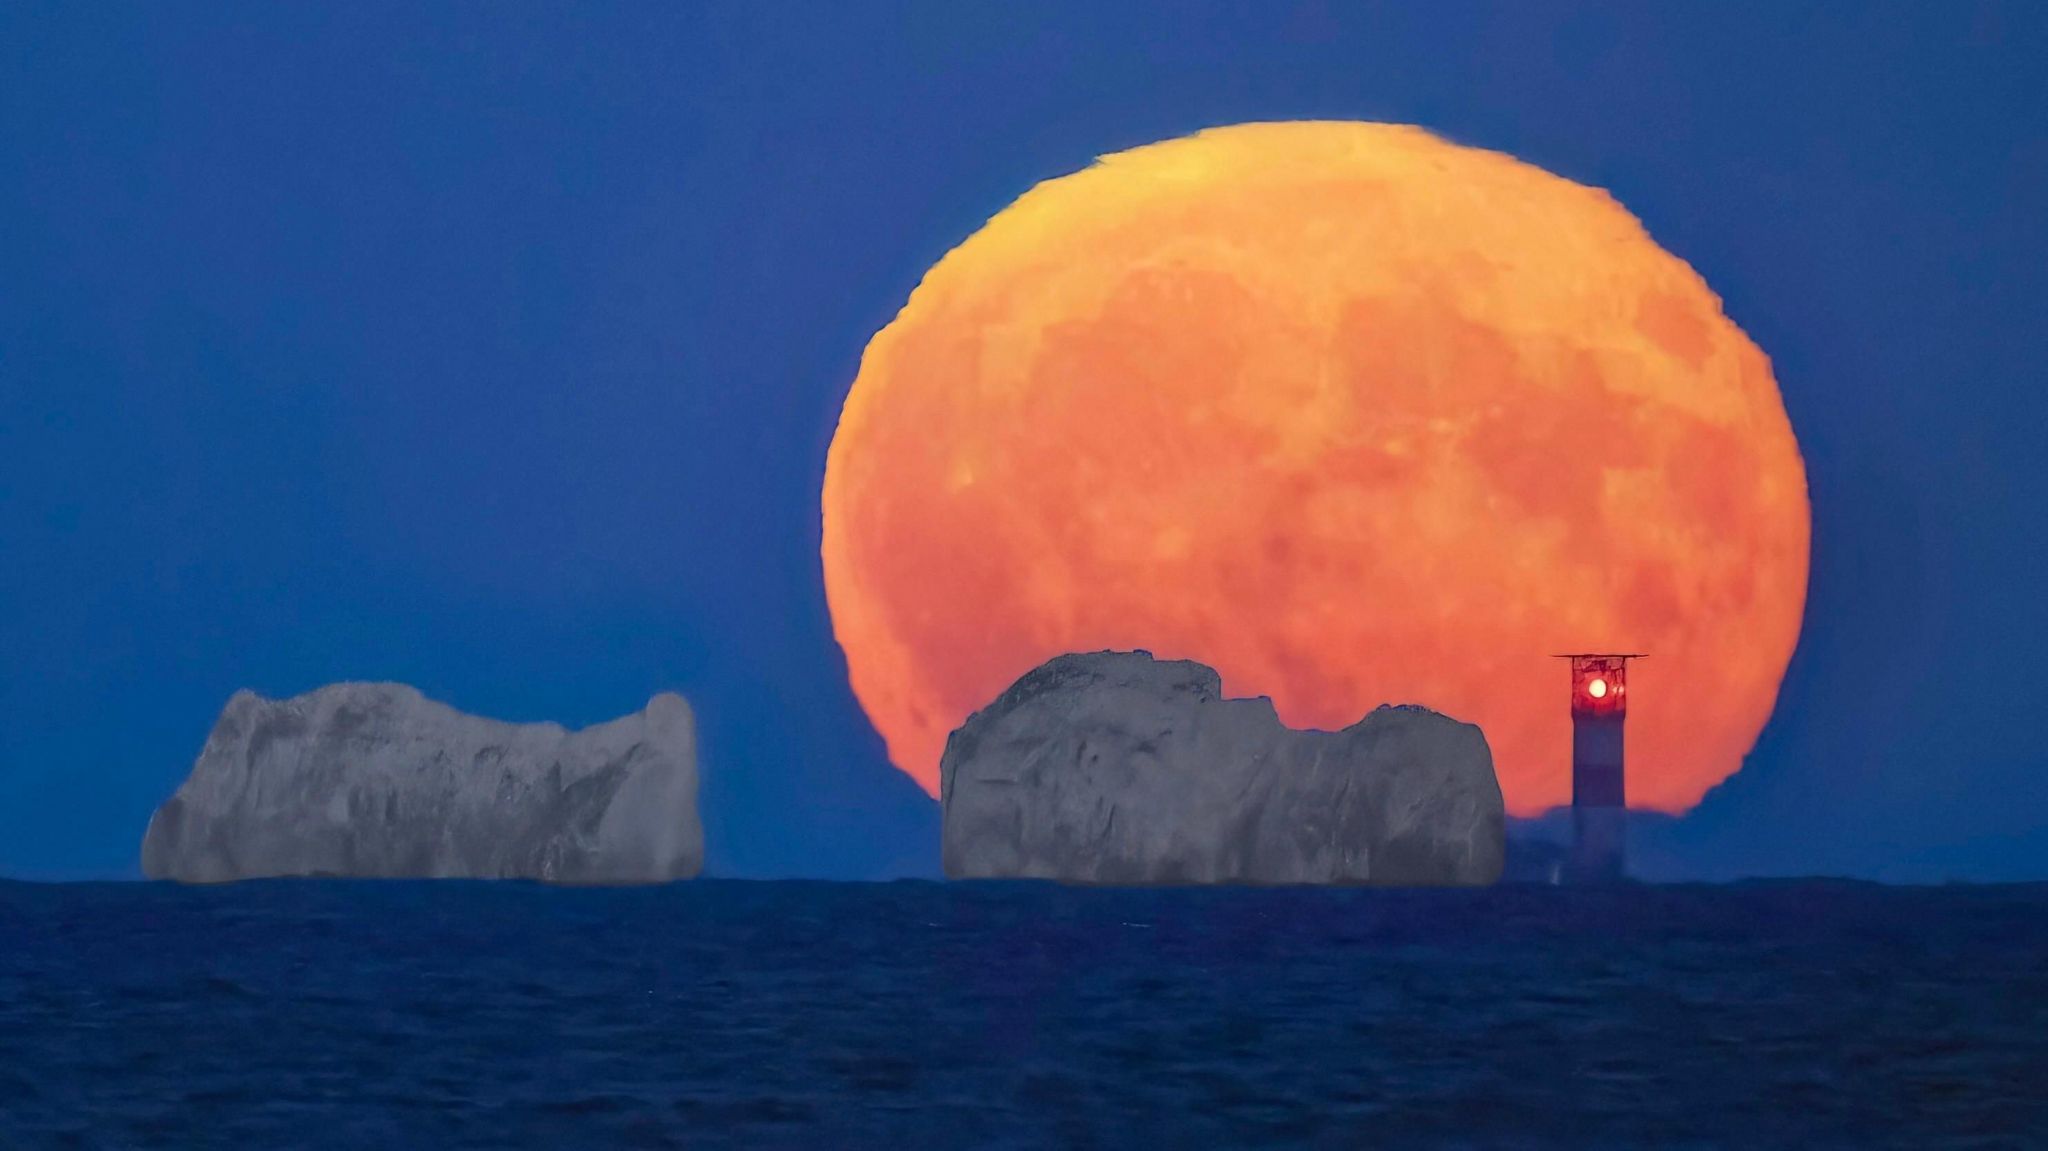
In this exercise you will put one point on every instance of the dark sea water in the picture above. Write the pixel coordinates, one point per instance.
(727, 1014)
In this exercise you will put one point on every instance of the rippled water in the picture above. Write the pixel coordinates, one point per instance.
(907, 1015)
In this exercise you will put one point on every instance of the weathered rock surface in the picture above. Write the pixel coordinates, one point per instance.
(376, 780)
(1115, 768)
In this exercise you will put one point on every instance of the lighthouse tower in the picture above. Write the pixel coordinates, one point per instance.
(1599, 794)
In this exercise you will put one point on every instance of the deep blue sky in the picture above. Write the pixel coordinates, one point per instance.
(496, 348)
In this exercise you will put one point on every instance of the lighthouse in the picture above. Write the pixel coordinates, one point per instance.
(1599, 791)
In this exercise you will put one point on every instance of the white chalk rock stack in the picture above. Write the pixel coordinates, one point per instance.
(1116, 768)
(375, 780)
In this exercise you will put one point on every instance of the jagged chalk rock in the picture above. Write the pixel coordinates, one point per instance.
(1115, 768)
(376, 780)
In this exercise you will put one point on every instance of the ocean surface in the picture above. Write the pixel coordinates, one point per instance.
(909, 1015)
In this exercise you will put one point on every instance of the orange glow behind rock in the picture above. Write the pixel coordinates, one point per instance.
(1351, 414)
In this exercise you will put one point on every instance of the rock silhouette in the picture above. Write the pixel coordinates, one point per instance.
(376, 780)
(1116, 768)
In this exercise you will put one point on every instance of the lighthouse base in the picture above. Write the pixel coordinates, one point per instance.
(1599, 845)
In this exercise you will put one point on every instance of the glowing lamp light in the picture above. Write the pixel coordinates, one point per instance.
(1597, 689)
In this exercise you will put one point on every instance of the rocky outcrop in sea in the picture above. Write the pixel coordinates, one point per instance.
(376, 780)
(1116, 768)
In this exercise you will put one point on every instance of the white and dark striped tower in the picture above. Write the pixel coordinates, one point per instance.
(1599, 787)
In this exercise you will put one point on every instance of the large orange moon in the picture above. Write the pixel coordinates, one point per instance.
(1351, 414)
